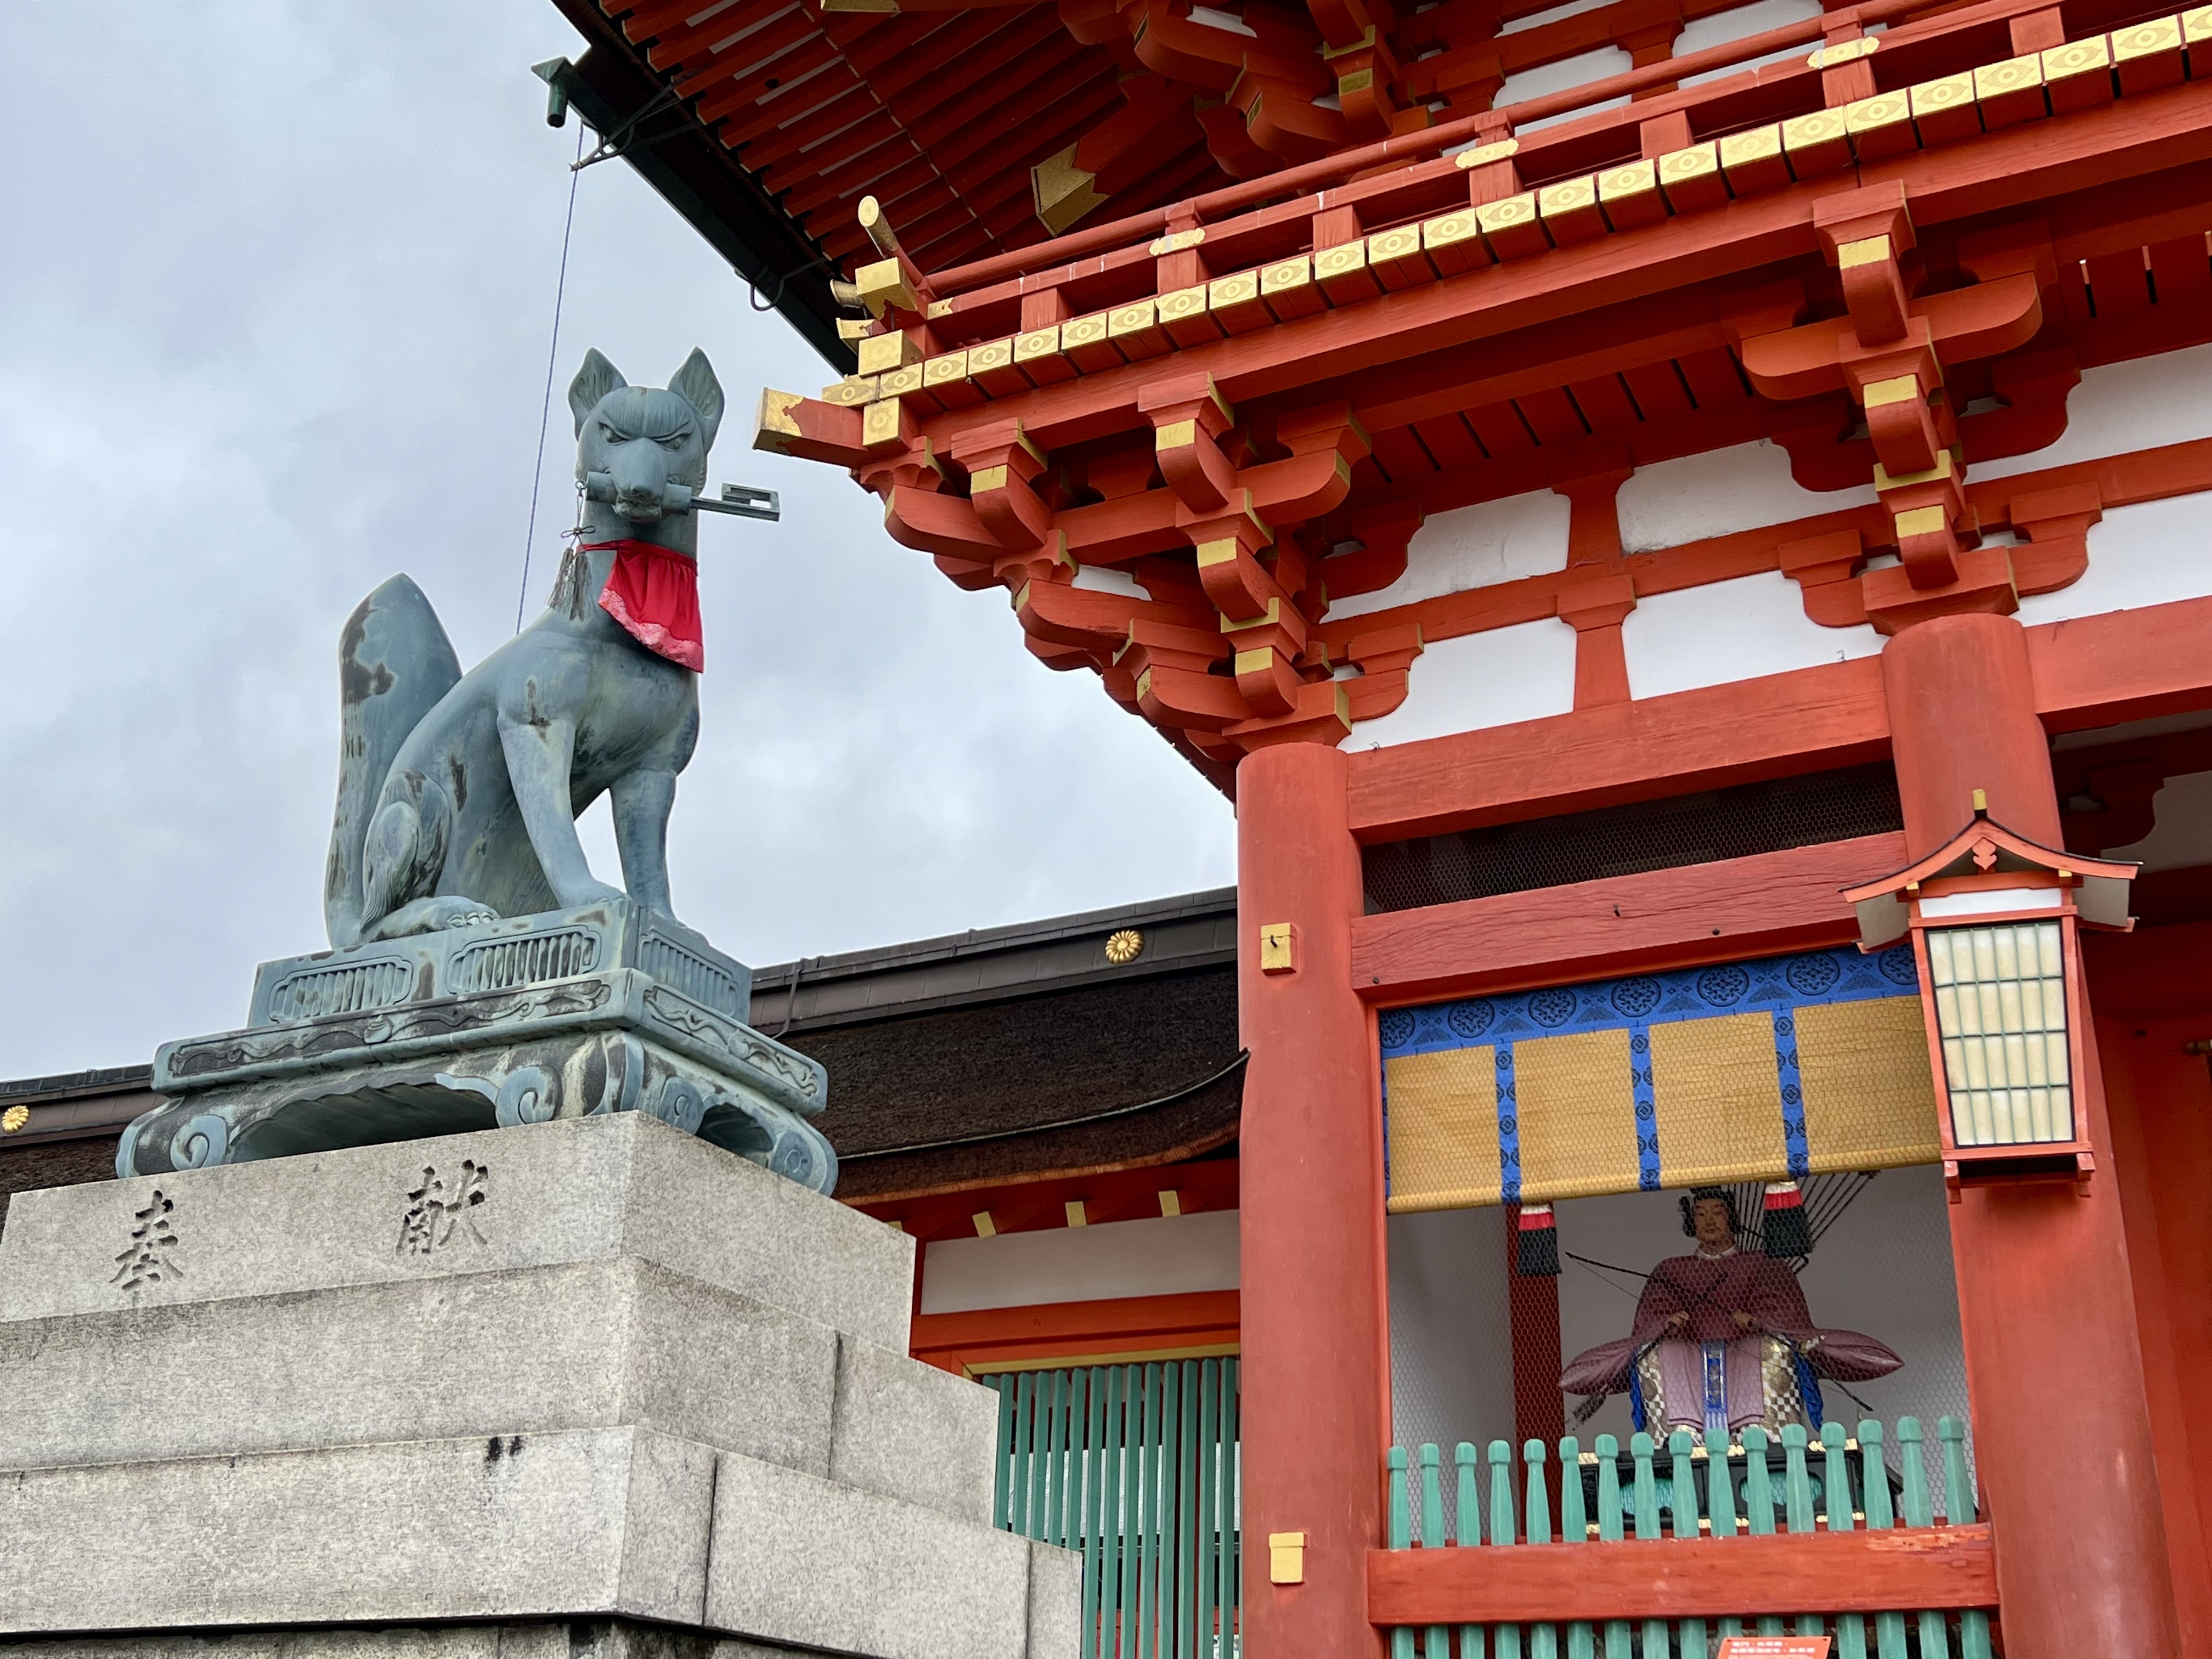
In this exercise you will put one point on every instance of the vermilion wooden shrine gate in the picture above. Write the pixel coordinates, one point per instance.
(1443, 421)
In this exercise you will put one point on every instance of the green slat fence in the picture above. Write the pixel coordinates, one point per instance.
(1848, 1488)
(1135, 1466)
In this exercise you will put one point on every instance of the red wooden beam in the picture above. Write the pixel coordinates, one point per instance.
(1723, 911)
(2123, 666)
(2092, 671)
(1086, 1332)
(1905, 1570)
(1779, 725)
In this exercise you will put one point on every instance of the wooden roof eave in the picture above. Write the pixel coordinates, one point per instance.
(703, 182)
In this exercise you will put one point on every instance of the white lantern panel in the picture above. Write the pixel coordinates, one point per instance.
(2001, 1009)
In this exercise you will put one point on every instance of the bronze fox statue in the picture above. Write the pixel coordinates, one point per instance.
(458, 794)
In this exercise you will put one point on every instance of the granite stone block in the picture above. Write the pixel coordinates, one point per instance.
(700, 1210)
(527, 1350)
(1055, 1602)
(587, 1389)
(912, 1431)
(580, 1638)
(611, 1521)
(534, 1641)
(814, 1565)
(570, 1190)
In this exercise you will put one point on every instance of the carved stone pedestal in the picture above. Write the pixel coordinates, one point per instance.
(571, 1013)
(590, 1381)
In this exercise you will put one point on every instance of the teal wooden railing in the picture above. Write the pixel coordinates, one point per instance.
(1796, 1573)
(1135, 1466)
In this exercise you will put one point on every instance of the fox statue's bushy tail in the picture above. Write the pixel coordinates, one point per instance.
(395, 663)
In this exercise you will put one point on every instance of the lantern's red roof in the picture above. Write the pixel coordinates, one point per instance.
(1985, 846)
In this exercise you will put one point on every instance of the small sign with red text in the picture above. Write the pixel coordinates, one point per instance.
(1774, 1647)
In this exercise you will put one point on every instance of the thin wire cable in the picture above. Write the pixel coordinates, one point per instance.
(545, 409)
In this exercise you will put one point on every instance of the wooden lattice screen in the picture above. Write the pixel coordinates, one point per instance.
(1136, 1466)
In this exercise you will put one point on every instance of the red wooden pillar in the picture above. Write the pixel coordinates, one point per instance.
(1540, 1410)
(2054, 1365)
(1315, 1332)
(2156, 1099)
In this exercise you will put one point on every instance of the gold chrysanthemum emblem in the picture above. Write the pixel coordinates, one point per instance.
(18, 1115)
(1124, 946)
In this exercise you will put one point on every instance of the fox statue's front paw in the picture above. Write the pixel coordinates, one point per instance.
(577, 895)
(431, 915)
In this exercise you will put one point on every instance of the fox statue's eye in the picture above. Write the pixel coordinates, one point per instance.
(610, 434)
(672, 445)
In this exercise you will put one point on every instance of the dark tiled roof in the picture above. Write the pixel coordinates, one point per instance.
(1106, 1076)
(77, 1082)
(991, 964)
(75, 1105)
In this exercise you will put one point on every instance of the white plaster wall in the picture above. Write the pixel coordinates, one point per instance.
(1451, 1338)
(1167, 1255)
(2148, 554)
(2162, 399)
(1536, 20)
(1884, 1269)
(1213, 18)
(1718, 493)
(1521, 673)
(1755, 19)
(2181, 830)
(1732, 630)
(1476, 546)
(1109, 579)
(1578, 70)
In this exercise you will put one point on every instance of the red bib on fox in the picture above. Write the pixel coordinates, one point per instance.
(653, 592)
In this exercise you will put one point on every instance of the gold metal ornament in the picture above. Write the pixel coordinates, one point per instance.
(1124, 947)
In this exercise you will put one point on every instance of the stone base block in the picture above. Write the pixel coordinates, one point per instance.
(806, 1563)
(527, 1350)
(609, 1522)
(911, 1431)
(589, 1369)
(585, 1189)
(608, 1639)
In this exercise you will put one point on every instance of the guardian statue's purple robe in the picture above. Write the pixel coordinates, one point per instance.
(1720, 1338)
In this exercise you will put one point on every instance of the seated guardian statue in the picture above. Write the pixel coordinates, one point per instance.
(1722, 1340)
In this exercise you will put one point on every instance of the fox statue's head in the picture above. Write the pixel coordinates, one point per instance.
(632, 441)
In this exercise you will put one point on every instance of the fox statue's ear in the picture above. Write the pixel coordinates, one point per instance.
(597, 378)
(695, 384)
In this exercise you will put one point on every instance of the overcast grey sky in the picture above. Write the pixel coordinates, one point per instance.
(274, 290)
